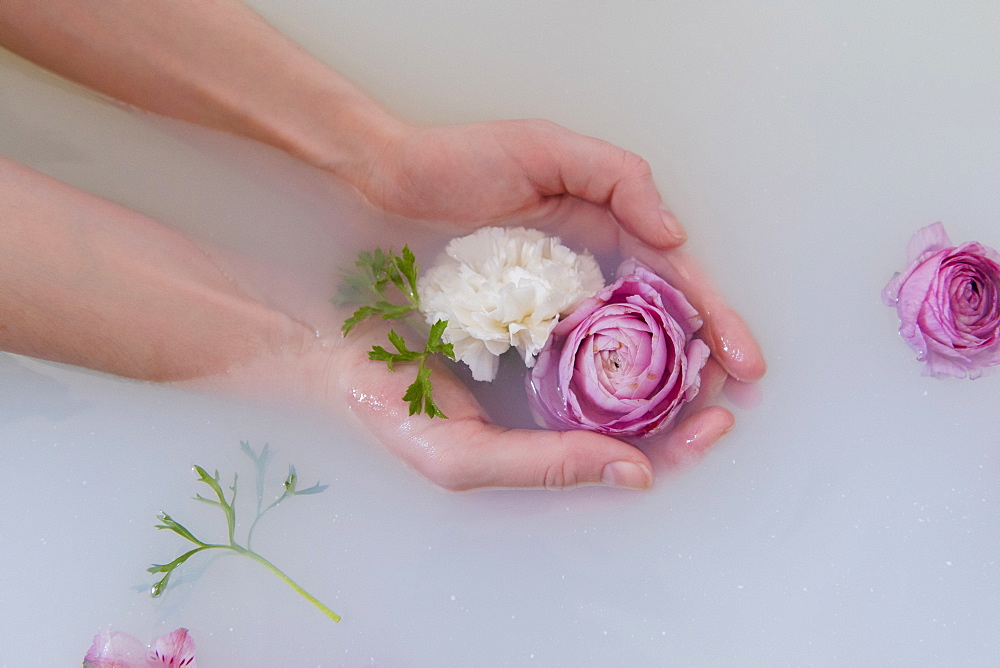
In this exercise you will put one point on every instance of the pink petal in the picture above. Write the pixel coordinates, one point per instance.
(114, 649)
(925, 242)
(672, 300)
(930, 239)
(174, 649)
(912, 296)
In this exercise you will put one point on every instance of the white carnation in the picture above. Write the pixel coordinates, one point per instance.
(503, 287)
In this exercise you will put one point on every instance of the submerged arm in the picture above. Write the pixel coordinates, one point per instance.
(211, 62)
(218, 64)
(86, 282)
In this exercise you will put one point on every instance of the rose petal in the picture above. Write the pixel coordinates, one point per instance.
(927, 240)
(624, 362)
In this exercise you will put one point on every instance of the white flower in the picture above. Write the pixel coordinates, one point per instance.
(502, 287)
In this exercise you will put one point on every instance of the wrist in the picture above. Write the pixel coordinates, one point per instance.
(362, 136)
(339, 129)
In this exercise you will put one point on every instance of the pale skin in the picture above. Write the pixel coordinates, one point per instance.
(86, 282)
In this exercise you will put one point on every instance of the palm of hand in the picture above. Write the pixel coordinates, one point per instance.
(468, 451)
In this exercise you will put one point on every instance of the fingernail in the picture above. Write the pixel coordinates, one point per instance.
(628, 475)
(673, 226)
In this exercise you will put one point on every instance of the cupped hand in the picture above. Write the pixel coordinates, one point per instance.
(532, 170)
(468, 451)
(592, 194)
(539, 174)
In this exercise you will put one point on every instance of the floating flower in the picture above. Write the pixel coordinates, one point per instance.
(504, 287)
(114, 649)
(948, 301)
(624, 362)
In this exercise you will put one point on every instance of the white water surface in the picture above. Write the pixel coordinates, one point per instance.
(851, 518)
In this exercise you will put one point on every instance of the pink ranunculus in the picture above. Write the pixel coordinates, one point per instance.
(624, 362)
(114, 649)
(948, 301)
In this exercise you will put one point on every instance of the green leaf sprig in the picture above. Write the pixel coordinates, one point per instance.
(376, 271)
(228, 507)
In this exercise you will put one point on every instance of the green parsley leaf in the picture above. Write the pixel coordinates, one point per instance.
(376, 271)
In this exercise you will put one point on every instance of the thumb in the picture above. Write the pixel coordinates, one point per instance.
(491, 456)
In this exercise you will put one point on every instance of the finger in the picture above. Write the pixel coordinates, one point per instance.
(600, 172)
(689, 441)
(724, 330)
(466, 451)
(481, 455)
(635, 203)
(713, 379)
(702, 424)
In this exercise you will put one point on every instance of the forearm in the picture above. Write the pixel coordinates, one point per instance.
(86, 282)
(211, 62)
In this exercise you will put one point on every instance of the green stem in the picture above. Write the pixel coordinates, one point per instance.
(252, 527)
(261, 514)
(288, 581)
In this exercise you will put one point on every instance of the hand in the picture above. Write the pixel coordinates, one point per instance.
(531, 170)
(467, 451)
(539, 174)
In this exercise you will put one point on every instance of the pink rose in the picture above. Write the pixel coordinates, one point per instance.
(624, 362)
(948, 301)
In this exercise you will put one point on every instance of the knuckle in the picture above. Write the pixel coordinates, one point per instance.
(635, 165)
(560, 475)
(565, 472)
